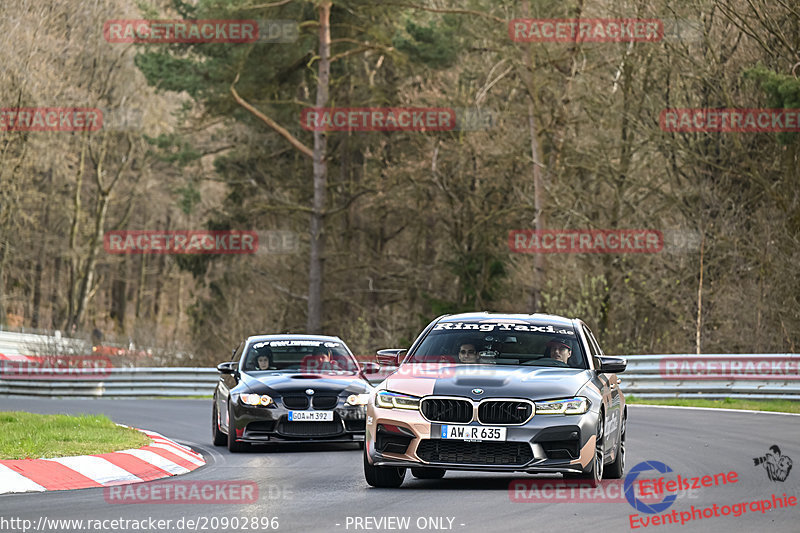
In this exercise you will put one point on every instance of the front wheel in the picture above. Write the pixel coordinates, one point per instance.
(595, 473)
(386, 477)
(218, 437)
(233, 445)
(616, 470)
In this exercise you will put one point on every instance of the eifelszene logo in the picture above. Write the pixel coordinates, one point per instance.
(637, 503)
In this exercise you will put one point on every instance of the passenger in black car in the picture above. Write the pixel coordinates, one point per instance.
(261, 358)
(263, 362)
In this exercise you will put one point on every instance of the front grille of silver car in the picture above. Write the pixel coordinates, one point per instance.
(504, 412)
(447, 410)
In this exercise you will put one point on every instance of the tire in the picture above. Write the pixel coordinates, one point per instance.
(217, 436)
(616, 470)
(385, 477)
(428, 473)
(233, 446)
(595, 473)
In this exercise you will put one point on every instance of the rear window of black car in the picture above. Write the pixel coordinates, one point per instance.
(501, 343)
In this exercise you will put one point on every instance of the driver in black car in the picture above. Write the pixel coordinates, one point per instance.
(558, 350)
(319, 360)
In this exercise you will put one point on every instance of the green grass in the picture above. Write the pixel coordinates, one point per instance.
(27, 435)
(781, 406)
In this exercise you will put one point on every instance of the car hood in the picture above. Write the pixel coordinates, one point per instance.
(536, 383)
(288, 382)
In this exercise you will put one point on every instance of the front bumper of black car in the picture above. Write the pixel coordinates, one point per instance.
(271, 424)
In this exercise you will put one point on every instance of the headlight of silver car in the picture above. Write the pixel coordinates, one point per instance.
(394, 400)
(567, 406)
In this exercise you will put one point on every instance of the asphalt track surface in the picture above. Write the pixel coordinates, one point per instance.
(322, 488)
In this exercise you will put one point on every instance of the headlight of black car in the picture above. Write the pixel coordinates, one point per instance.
(255, 399)
(358, 399)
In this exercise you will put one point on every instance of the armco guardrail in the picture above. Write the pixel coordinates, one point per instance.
(15, 343)
(757, 376)
(713, 376)
(120, 383)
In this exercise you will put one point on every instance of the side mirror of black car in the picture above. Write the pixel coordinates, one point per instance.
(391, 356)
(370, 368)
(612, 365)
(228, 367)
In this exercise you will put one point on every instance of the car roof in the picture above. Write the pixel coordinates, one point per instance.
(294, 337)
(536, 318)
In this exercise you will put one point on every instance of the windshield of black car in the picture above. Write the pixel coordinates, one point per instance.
(299, 356)
(499, 343)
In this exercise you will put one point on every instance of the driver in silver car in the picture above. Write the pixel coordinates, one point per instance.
(558, 350)
(467, 354)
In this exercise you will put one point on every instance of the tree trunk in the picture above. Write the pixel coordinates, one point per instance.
(314, 323)
(3, 254)
(535, 301)
(91, 262)
(535, 295)
(74, 256)
(160, 277)
(140, 288)
(104, 198)
(179, 312)
(56, 309)
(37, 291)
(698, 329)
(119, 300)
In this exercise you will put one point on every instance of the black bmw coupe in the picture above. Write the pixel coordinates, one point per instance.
(290, 388)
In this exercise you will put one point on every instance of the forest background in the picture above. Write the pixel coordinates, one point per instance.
(395, 228)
